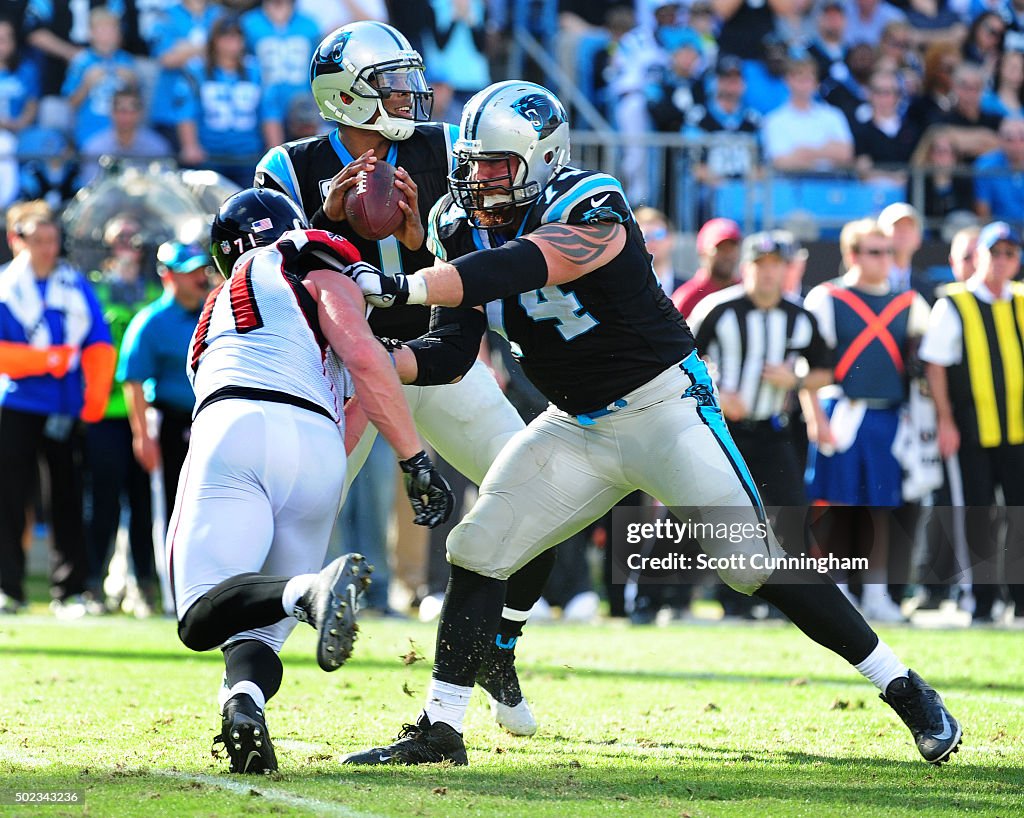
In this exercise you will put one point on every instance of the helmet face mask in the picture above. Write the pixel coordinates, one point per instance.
(360, 66)
(490, 197)
(519, 132)
(249, 219)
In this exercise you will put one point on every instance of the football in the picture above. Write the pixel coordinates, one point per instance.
(371, 204)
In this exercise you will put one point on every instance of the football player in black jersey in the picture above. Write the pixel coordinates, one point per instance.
(367, 79)
(555, 253)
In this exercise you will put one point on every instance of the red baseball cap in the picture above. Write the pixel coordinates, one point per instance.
(714, 232)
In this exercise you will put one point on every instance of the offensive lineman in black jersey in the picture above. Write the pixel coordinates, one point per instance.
(556, 255)
(366, 77)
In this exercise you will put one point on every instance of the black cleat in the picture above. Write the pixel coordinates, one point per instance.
(331, 605)
(419, 743)
(497, 676)
(245, 736)
(934, 729)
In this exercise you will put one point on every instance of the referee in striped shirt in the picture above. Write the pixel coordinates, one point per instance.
(757, 341)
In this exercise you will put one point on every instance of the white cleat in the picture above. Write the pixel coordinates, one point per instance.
(518, 720)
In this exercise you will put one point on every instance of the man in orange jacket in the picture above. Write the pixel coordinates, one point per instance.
(56, 366)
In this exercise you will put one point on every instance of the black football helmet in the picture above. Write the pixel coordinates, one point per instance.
(251, 218)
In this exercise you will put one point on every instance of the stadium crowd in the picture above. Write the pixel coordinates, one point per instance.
(920, 100)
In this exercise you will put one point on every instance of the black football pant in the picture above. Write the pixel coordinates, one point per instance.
(22, 442)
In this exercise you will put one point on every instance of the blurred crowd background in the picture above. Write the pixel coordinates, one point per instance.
(783, 122)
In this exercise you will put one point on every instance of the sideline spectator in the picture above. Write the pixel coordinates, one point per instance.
(849, 92)
(660, 244)
(980, 428)
(282, 41)
(975, 130)
(999, 179)
(902, 223)
(1005, 97)
(223, 125)
(456, 46)
(867, 19)
(945, 190)
(882, 136)
(19, 83)
(724, 114)
(745, 25)
(828, 46)
(896, 52)
(936, 97)
(945, 544)
(718, 245)
(49, 167)
(56, 363)
(676, 87)
(984, 41)
(805, 135)
(123, 288)
(852, 463)
(152, 362)
(180, 44)
(95, 74)
(126, 137)
(331, 14)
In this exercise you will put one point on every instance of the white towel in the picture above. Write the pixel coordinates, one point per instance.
(845, 422)
(916, 446)
(19, 291)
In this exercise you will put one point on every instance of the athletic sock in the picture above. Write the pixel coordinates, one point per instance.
(251, 689)
(447, 702)
(293, 591)
(881, 666)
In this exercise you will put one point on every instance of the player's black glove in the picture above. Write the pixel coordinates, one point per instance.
(429, 493)
(379, 289)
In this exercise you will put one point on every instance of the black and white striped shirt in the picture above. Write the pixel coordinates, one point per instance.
(740, 339)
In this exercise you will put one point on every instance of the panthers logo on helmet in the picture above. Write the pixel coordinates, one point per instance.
(542, 113)
(331, 50)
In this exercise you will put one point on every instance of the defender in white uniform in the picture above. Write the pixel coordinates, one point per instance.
(274, 359)
(369, 83)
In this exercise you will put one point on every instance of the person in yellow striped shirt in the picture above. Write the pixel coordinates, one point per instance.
(974, 356)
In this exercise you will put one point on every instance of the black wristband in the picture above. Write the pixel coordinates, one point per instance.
(321, 221)
(420, 460)
(500, 272)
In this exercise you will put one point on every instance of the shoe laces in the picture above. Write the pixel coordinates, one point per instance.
(408, 731)
(915, 705)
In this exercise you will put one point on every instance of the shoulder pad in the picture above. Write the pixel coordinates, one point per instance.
(276, 170)
(445, 218)
(583, 197)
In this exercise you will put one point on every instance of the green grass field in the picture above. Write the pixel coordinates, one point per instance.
(690, 720)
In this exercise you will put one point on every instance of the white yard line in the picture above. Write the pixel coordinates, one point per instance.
(284, 797)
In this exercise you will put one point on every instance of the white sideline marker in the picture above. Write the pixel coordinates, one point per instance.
(279, 796)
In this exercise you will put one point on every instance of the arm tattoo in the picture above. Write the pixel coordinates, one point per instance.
(576, 244)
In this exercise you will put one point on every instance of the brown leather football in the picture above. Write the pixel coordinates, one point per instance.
(371, 204)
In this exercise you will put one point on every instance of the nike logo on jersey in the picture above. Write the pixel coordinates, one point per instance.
(598, 201)
(325, 185)
(947, 729)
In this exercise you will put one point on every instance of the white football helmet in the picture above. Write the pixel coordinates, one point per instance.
(358, 66)
(512, 119)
